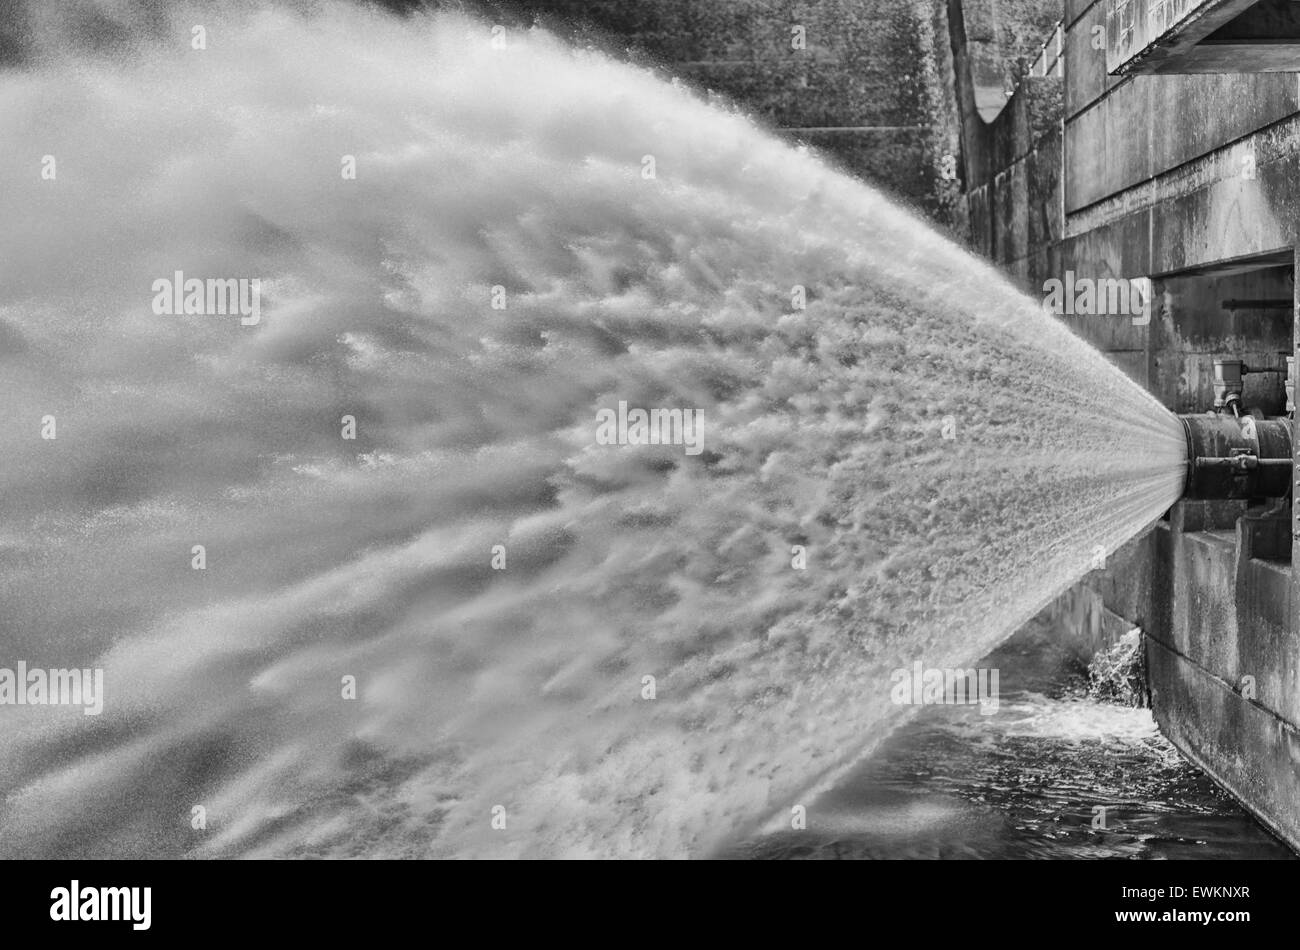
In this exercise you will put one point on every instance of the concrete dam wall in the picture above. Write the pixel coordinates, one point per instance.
(1164, 155)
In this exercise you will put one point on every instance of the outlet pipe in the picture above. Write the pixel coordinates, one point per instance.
(1231, 457)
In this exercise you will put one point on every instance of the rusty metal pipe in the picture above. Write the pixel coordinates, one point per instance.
(1229, 457)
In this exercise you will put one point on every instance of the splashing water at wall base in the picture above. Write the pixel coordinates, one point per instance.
(562, 644)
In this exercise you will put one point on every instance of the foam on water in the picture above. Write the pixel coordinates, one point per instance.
(478, 168)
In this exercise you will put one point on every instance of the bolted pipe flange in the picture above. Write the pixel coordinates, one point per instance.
(1237, 458)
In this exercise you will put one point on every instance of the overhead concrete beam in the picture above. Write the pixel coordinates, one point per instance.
(1161, 37)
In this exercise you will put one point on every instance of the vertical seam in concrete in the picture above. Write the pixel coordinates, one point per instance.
(1295, 449)
(1150, 269)
(1154, 315)
(1151, 226)
(1151, 139)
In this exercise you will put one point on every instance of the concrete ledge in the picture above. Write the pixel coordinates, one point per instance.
(1152, 35)
(1248, 750)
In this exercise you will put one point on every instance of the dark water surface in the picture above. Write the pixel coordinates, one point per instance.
(1024, 782)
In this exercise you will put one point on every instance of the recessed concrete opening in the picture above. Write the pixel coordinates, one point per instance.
(1202, 36)
(1239, 309)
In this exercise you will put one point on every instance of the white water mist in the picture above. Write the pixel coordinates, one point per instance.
(908, 467)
